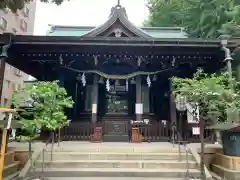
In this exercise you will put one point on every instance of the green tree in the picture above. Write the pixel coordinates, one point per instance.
(165, 13)
(48, 102)
(15, 5)
(212, 92)
(201, 18)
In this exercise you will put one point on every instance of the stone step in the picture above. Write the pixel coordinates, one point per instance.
(115, 178)
(149, 164)
(226, 173)
(114, 156)
(138, 148)
(12, 176)
(117, 172)
(9, 158)
(10, 169)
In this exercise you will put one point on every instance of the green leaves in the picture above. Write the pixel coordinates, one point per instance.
(165, 13)
(212, 93)
(48, 101)
(201, 18)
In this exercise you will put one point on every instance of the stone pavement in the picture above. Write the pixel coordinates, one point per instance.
(23, 146)
(114, 178)
(81, 144)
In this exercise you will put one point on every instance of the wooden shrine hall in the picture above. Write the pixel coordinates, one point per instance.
(118, 74)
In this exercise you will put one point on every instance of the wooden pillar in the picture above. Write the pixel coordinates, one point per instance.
(138, 105)
(95, 99)
(2, 72)
(61, 78)
(173, 115)
(76, 98)
(151, 99)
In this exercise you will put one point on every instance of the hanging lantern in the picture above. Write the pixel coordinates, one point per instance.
(101, 80)
(108, 85)
(148, 81)
(83, 79)
(154, 77)
(133, 81)
(126, 84)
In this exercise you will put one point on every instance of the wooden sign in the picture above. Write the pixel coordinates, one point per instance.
(195, 130)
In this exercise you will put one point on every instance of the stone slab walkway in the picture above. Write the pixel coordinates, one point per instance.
(23, 146)
(115, 178)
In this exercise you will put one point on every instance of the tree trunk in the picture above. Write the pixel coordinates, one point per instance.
(30, 149)
(202, 169)
(52, 145)
(59, 138)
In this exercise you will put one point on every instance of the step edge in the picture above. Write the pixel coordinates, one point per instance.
(120, 161)
(115, 153)
(118, 170)
(15, 163)
(10, 177)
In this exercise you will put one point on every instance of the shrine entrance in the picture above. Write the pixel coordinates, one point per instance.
(117, 98)
(119, 75)
(117, 103)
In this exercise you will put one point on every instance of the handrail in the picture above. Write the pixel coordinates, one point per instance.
(174, 133)
(187, 176)
(30, 165)
(197, 159)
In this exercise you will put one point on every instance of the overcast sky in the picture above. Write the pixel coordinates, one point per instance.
(85, 13)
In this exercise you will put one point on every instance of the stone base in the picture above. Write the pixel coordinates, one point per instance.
(115, 138)
(226, 173)
(228, 162)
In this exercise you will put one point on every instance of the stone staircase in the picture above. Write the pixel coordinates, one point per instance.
(11, 167)
(160, 163)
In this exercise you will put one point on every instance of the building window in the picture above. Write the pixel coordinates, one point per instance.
(5, 101)
(19, 87)
(26, 12)
(23, 25)
(8, 83)
(6, 10)
(14, 30)
(17, 72)
(13, 87)
(3, 23)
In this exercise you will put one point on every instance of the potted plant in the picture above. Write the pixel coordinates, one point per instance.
(218, 103)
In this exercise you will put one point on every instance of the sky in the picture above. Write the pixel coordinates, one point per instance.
(85, 13)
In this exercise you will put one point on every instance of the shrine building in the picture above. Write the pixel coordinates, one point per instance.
(118, 74)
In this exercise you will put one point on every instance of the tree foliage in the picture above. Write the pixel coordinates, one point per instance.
(15, 5)
(212, 92)
(165, 13)
(48, 102)
(201, 18)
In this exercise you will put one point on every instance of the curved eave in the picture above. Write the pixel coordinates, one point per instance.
(113, 41)
(73, 40)
(117, 14)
